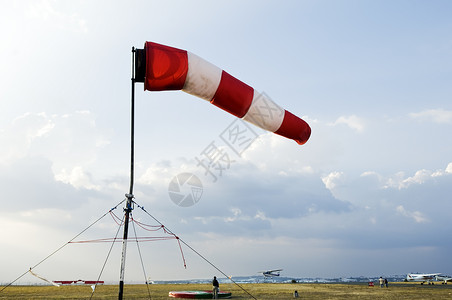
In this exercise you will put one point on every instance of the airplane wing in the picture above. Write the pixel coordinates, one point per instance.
(430, 276)
(444, 278)
(422, 277)
(271, 273)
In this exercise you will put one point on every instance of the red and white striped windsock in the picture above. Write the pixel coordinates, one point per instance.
(168, 68)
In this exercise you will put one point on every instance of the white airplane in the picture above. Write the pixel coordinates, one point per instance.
(443, 278)
(422, 277)
(271, 273)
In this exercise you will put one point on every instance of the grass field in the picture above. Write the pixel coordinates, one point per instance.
(397, 291)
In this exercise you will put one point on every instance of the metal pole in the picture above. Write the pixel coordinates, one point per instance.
(132, 124)
(129, 204)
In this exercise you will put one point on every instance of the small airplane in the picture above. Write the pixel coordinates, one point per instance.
(422, 277)
(443, 278)
(271, 273)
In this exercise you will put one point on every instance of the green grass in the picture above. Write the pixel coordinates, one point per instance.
(396, 291)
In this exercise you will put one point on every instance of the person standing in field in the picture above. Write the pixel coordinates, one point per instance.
(216, 288)
(386, 282)
(381, 281)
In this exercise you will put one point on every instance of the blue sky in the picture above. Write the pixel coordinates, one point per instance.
(369, 194)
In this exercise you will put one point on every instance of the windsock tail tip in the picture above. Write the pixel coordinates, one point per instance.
(306, 136)
(294, 128)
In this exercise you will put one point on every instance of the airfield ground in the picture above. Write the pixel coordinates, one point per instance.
(396, 291)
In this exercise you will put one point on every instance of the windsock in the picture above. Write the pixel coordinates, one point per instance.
(162, 68)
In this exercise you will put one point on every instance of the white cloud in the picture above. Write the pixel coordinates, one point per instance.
(417, 216)
(260, 215)
(47, 11)
(434, 115)
(372, 174)
(78, 178)
(368, 173)
(449, 168)
(236, 214)
(158, 173)
(419, 178)
(399, 180)
(352, 121)
(24, 130)
(332, 180)
(71, 141)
